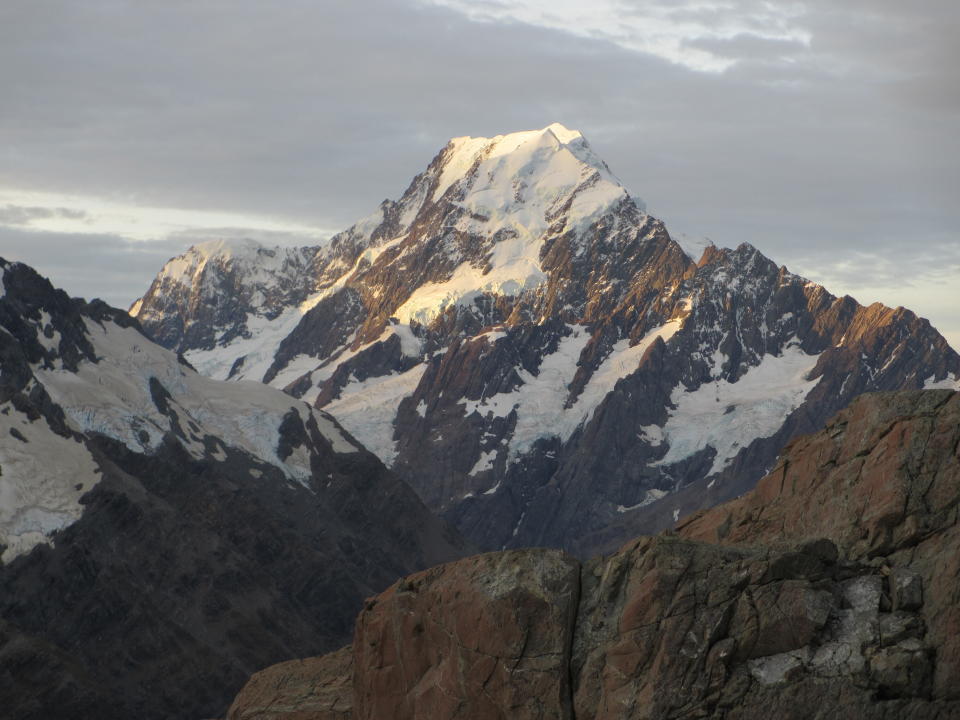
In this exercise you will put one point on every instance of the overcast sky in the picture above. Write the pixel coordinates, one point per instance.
(827, 134)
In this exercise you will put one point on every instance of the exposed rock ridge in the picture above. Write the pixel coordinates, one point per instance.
(795, 601)
(319, 688)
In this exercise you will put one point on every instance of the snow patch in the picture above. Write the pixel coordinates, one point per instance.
(653, 434)
(332, 433)
(492, 490)
(52, 343)
(539, 402)
(367, 409)
(258, 350)
(463, 153)
(300, 365)
(693, 247)
(945, 384)
(410, 344)
(484, 463)
(41, 481)
(622, 361)
(729, 416)
(651, 496)
(112, 397)
(491, 335)
(514, 268)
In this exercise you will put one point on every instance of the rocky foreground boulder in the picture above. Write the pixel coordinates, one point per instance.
(832, 590)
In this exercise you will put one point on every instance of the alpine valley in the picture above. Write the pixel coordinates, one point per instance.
(526, 347)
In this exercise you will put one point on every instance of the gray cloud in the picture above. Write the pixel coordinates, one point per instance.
(25, 214)
(313, 112)
(750, 47)
(108, 267)
(185, 238)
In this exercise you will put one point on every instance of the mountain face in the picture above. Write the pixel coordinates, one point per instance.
(519, 340)
(829, 591)
(164, 534)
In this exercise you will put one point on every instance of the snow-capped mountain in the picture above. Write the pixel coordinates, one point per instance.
(163, 533)
(530, 349)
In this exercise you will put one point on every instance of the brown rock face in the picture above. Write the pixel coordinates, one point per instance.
(831, 591)
(882, 481)
(488, 637)
(670, 628)
(311, 689)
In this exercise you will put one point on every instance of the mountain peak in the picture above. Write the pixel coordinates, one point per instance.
(555, 150)
(511, 141)
(515, 323)
(563, 133)
(226, 247)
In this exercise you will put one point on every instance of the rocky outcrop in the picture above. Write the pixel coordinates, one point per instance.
(883, 481)
(162, 534)
(671, 628)
(533, 353)
(318, 688)
(485, 637)
(832, 590)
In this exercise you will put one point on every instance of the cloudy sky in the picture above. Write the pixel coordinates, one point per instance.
(827, 134)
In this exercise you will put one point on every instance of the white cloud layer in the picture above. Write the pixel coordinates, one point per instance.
(691, 34)
(78, 214)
